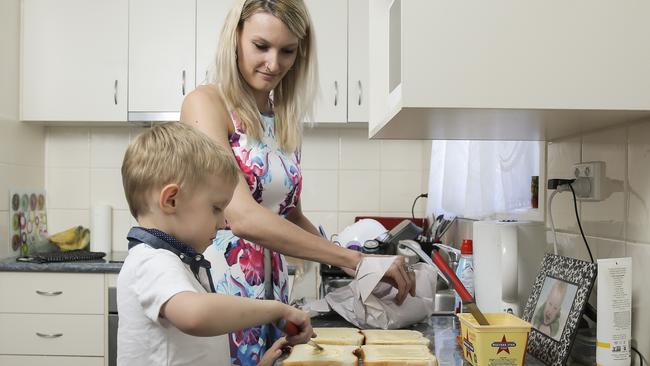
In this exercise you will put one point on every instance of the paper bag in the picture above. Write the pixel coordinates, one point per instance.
(368, 303)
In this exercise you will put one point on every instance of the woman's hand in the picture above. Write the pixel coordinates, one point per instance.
(273, 353)
(399, 278)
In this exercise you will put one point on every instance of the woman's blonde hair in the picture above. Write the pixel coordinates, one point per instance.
(172, 153)
(294, 96)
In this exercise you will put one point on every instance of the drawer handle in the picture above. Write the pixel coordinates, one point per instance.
(49, 293)
(56, 335)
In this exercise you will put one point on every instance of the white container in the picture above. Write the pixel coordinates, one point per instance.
(507, 258)
(101, 228)
(614, 326)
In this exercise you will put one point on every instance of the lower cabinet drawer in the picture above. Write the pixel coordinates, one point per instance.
(50, 361)
(52, 334)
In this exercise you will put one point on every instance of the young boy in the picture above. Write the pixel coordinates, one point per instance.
(177, 184)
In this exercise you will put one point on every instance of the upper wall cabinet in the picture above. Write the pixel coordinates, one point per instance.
(161, 57)
(74, 60)
(210, 16)
(358, 60)
(330, 27)
(531, 70)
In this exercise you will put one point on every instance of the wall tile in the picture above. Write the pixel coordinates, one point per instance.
(357, 151)
(121, 225)
(399, 189)
(320, 190)
(561, 156)
(21, 143)
(107, 146)
(401, 154)
(329, 220)
(4, 186)
(67, 147)
(638, 217)
(359, 190)
(106, 188)
(640, 254)
(320, 149)
(19, 177)
(606, 218)
(68, 188)
(62, 219)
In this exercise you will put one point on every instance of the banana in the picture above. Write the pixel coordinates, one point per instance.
(74, 238)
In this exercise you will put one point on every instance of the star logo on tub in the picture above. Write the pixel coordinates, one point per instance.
(504, 345)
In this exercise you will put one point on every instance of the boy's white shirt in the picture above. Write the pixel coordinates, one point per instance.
(148, 278)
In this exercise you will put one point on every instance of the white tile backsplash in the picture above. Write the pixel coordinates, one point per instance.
(561, 155)
(62, 219)
(5, 249)
(68, 188)
(329, 220)
(399, 189)
(357, 152)
(67, 147)
(320, 149)
(359, 190)
(106, 188)
(319, 190)
(107, 146)
(402, 155)
(638, 216)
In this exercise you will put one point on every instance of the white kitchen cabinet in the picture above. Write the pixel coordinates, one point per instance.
(210, 17)
(531, 70)
(330, 25)
(57, 315)
(358, 60)
(74, 60)
(161, 57)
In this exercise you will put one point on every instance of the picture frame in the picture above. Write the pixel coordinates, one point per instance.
(555, 306)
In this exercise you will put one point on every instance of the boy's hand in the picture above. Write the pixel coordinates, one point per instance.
(302, 321)
(274, 352)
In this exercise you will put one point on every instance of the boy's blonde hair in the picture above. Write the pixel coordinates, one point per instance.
(172, 153)
(293, 98)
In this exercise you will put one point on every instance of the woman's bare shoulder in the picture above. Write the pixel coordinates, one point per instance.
(205, 105)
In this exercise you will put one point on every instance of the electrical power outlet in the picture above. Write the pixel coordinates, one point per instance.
(594, 172)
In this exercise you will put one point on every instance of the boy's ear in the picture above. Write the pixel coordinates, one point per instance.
(168, 197)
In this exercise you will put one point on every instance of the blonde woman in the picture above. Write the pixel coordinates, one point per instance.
(264, 86)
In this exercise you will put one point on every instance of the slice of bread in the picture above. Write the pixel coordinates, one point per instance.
(396, 336)
(398, 355)
(334, 355)
(341, 336)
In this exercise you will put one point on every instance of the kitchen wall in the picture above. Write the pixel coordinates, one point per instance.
(21, 146)
(345, 175)
(620, 225)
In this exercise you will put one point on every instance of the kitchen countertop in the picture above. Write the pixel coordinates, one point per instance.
(440, 329)
(112, 263)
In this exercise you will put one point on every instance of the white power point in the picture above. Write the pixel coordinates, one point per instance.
(594, 173)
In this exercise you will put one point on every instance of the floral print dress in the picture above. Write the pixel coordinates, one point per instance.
(275, 181)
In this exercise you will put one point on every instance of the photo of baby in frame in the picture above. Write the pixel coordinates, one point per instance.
(553, 307)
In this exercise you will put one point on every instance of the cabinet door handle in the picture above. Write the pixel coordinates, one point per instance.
(43, 335)
(360, 91)
(49, 293)
(183, 86)
(336, 93)
(115, 92)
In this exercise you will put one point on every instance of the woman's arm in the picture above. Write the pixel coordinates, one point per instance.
(297, 217)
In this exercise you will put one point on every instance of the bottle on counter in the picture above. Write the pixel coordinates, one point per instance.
(465, 272)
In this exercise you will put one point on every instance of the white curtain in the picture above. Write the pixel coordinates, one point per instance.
(476, 179)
